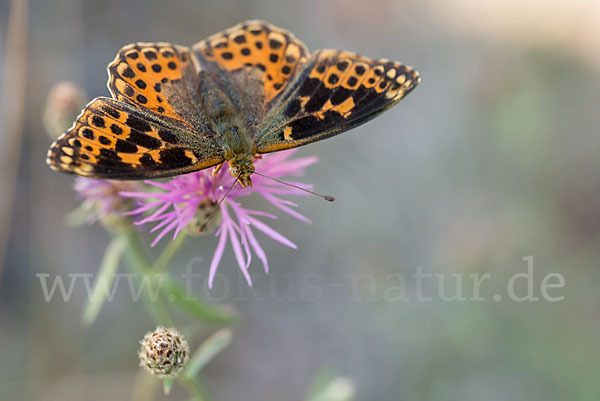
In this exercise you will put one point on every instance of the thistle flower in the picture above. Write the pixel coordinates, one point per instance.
(185, 202)
(163, 352)
(103, 201)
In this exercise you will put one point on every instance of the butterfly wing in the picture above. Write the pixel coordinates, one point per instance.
(158, 78)
(333, 92)
(154, 128)
(115, 140)
(253, 63)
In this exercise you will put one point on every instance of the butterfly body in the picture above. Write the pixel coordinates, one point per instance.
(228, 129)
(251, 89)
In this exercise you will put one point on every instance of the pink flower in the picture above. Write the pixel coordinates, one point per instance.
(179, 202)
(103, 197)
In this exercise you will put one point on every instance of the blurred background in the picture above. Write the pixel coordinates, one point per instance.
(493, 158)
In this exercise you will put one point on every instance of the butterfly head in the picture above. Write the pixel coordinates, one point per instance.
(242, 167)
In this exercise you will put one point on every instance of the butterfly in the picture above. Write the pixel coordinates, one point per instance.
(251, 89)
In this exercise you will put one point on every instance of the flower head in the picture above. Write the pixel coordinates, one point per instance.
(183, 202)
(103, 201)
(163, 352)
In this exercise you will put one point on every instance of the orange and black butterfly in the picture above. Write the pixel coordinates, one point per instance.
(248, 90)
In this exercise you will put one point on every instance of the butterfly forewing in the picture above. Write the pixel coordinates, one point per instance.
(158, 77)
(111, 139)
(332, 93)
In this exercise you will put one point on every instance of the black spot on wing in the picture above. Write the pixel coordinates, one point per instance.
(342, 65)
(275, 44)
(309, 126)
(112, 163)
(128, 73)
(339, 95)
(150, 55)
(144, 140)
(115, 129)
(111, 112)
(87, 133)
(109, 154)
(293, 108)
(308, 86)
(98, 121)
(125, 147)
(138, 124)
(147, 160)
(240, 39)
(317, 100)
(168, 136)
(175, 157)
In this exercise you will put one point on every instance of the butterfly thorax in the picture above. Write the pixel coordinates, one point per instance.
(229, 129)
(239, 151)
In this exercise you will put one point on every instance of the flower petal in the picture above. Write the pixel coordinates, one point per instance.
(278, 203)
(218, 255)
(271, 233)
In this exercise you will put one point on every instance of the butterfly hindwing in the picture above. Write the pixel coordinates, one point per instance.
(111, 139)
(252, 50)
(158, 77)
(332, 93)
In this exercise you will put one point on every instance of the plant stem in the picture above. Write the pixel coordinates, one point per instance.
(141, 265)
(168, 253)
(193, 387)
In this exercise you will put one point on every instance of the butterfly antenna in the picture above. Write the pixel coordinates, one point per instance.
(328, 198)
(212, 214)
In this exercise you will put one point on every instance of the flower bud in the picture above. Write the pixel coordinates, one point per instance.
(63, 105)
(164, 352)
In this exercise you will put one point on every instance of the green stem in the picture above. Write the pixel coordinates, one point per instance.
(193, 387)
(168, 253)
(140, 263)
(142, 266)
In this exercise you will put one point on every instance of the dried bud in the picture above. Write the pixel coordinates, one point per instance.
(63, 105)
(164, 352)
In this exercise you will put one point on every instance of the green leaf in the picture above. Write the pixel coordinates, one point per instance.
(207, 351)
(327, 386)
(104, 281)
(195, 308)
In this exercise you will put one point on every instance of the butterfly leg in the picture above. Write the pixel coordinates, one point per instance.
(216, 170)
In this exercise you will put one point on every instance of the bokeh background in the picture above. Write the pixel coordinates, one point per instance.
(493, 158)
